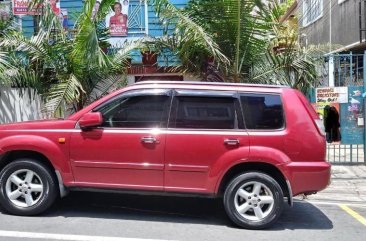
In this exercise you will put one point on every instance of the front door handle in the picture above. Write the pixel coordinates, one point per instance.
(231, 142)
(149, 140)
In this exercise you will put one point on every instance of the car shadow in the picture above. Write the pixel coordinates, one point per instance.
(192, 210)
(303, 215)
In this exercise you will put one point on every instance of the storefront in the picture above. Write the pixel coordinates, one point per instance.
(342, 108)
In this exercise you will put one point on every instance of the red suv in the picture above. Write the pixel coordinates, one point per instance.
(253, 145)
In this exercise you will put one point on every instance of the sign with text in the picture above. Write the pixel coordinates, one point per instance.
(332, 95)
(117, 19)
(20, 7)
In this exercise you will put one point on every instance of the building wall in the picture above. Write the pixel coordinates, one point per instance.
(155, 28)
(72, 6)
(75, 6)
(344, 20)
(16, 106)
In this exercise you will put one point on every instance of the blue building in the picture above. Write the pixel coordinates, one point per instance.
(142, 22)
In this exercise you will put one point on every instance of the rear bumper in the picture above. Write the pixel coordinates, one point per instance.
(307, 177)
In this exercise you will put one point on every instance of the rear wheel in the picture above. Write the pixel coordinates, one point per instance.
(27, 187)
(253, 200)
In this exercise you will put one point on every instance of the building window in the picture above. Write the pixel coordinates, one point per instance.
(312, 11)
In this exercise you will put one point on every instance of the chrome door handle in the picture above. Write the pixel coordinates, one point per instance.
(149, 140)
(231, 142)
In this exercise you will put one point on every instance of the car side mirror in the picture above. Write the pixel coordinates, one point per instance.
(91, 119)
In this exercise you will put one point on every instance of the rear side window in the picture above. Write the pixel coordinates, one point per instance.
(262, 111)
(204, 113)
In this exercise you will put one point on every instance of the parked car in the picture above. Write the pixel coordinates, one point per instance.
(254, 146)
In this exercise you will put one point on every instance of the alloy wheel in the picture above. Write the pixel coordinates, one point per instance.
(24, 188)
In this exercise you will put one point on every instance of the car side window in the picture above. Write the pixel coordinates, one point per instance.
(138, 111)
(262, 111)
(204, 113)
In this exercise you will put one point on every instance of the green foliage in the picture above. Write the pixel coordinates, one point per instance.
(231, 32)
(191, 41)
(6, 27)
(65, 70)
(247, 32)
(238, 26)
(283, 7)
(284, 61)
(242, 37)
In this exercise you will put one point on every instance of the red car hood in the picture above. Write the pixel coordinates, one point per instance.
(40, 124)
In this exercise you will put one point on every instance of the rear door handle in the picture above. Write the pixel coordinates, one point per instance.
(231, 142)
(149, 140)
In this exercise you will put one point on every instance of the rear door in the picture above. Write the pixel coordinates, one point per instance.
(265, 122)
(204, 127)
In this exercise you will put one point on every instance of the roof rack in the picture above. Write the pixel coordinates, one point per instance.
(210, 83)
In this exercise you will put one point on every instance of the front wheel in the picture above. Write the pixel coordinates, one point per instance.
(27, 187)
(253, 200)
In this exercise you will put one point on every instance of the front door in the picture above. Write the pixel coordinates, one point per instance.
(127, 151)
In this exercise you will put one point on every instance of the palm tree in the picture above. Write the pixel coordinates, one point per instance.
(6, 27)
(237, 30)
(284, 61)
(236, 35)
(66, 70)
(245, 32)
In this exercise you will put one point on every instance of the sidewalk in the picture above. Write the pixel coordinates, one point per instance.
(348, 184)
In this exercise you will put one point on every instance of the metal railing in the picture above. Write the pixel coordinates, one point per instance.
(345, 154)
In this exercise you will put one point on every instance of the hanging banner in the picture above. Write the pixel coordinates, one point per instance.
(117, 19)
(332, 95)
(95, 9)
(20, 7)
(64, 18)
(352, 115)
(4, 11)
(319, 108)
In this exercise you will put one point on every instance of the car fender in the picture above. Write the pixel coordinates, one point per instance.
(41, 145)
(269, 155)
(256, 154)
(224, 163)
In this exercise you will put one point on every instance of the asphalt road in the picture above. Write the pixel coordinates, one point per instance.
(117, 217)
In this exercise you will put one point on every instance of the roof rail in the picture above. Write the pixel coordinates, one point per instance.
(210, 83)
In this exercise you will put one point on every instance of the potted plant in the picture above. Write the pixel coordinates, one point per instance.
(149, 55)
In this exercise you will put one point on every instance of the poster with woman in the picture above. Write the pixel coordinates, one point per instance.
(117, 19)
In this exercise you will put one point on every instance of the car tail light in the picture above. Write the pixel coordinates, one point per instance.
(312, 113)
(320, 125)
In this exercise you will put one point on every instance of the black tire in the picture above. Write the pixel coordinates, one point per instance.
(42, 177)
(269, 188)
